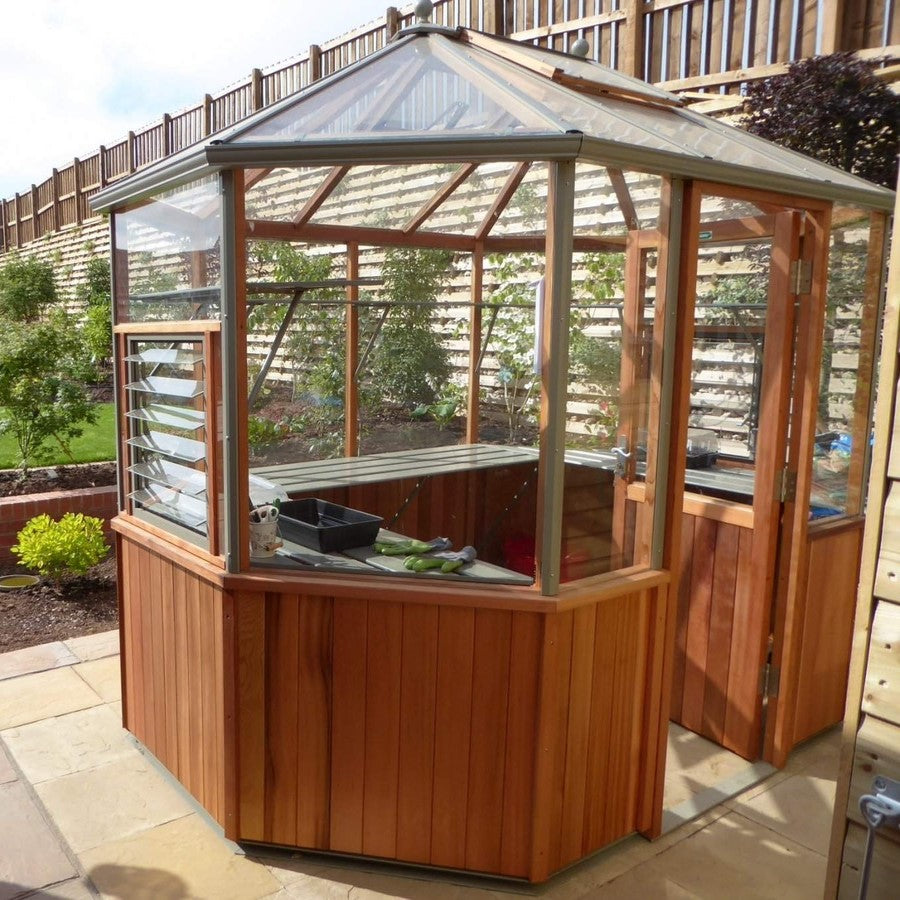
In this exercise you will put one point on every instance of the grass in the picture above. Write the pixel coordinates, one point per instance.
(97, 444)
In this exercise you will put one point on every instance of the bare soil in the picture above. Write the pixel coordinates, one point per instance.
(56, 478)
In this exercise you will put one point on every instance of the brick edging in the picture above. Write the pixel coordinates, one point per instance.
(16, 511)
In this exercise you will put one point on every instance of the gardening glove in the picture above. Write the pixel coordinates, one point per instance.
(422, 563)
(454, 560)
(405, 548)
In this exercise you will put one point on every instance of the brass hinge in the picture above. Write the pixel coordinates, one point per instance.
(787, 485)
(769, 678)
(801, 276)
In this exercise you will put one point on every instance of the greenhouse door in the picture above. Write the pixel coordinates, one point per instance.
(737, 477)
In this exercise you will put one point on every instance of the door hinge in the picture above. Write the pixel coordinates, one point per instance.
(769, 678)
(787, 486)
(801, 276)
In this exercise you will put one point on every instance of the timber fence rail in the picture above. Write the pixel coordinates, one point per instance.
(707, 49)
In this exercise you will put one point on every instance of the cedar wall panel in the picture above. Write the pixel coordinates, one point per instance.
(450, 736)
(173, 671)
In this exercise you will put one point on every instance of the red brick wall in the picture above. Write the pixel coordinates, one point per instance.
(16, 511)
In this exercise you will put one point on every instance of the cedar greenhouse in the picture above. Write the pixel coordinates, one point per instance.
(619, 354)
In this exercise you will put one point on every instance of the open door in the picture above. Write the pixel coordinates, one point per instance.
(744, 301)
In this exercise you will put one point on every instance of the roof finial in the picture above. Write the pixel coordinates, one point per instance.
(423, 10)
(580, 48)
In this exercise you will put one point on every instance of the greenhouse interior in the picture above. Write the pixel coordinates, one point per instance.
(481, 412)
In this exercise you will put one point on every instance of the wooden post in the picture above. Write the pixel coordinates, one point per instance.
(633, 52)
(4, 235)
(18, 208)
(391, 22)
(35, 221)
(207, 115)
(104, 176)
(166, 134)
(494, 17)
(832, 21)
(351, 383)
(256, 91)
(129, 151)
(76, 168)
(54, 192)
(472, 404)
(315, 62)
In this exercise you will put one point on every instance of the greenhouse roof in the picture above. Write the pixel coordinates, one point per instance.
(458, 95)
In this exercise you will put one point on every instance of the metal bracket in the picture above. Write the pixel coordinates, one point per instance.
(622, 456)
(769, 679)
(787, 487)
(801, 276)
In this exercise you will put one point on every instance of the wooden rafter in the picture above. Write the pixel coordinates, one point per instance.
(323, 192)
(461, 174)
(260, 229)
(623, 195)
(502, 200)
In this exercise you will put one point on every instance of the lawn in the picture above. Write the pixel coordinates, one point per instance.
(98, 442)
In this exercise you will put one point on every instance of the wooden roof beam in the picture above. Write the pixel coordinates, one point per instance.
(461, 174)
(502, 200)
(623, 195)
(323, 192)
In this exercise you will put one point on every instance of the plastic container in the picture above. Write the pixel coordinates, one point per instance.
(326, 527)
(702, 448)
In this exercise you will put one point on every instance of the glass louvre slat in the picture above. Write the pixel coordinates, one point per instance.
(163, 355)
(169, 445)
(172, 505)
(172, 387)
(171, 474)
(173, 416)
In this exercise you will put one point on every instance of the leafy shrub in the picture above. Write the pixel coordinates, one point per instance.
(833, 108)
(262, 432)
(67, 547)
(26, 287)
(42, 391)
(96, 294)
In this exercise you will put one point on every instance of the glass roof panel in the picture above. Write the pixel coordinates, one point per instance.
(383, 196)
(417, 87)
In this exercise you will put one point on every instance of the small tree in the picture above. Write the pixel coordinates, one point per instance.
(43, 397)
(834, 109)
(26, 287)
(96, 294)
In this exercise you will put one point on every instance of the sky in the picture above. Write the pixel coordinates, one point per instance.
(75, 74)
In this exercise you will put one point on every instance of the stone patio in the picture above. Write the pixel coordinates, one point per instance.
(84, 813)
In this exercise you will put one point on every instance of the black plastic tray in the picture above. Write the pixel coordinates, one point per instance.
(326, 527)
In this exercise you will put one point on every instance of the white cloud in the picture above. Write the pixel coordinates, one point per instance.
(74, 75)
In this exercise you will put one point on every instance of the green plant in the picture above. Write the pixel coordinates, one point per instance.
(42, 388)
(95, 293)
(262, 433)
(833, 108)
(67, 547)
(410, 361)
(26, 287)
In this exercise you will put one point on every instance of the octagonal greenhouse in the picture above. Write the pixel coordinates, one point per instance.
(618, 354)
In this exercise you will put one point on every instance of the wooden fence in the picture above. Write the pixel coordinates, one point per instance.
(707, 49)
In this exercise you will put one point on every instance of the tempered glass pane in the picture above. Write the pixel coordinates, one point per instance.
(609, 200)
(526, 212)
(165, 355)
(173, 505)
(411, 89)
(171, 445)
(464, 211)
(846, 372)
(280, 194)
(171, 416)
(178, 477)
(167, 387)
(171, 248)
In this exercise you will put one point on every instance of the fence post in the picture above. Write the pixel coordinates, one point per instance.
(102, 167)
(633, 55)
(4, 235)
(18, 207)
(76, 168)
(166, 134)
(207, 115)
(315, 63)
(391, 22)
(494, 16)
(129, 151)
(54, 196)
(832, 20)
(256, 93)
(35, 219)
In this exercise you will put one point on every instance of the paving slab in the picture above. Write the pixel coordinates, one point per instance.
(30, 698)
(183, 858)
(110, 802)
(35, 659)
(31, 856)
(94, 646)
(7, 772)
(104, 676)
(71, 743)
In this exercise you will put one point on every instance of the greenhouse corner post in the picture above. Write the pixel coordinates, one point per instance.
(230, 368)
(554, 367)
